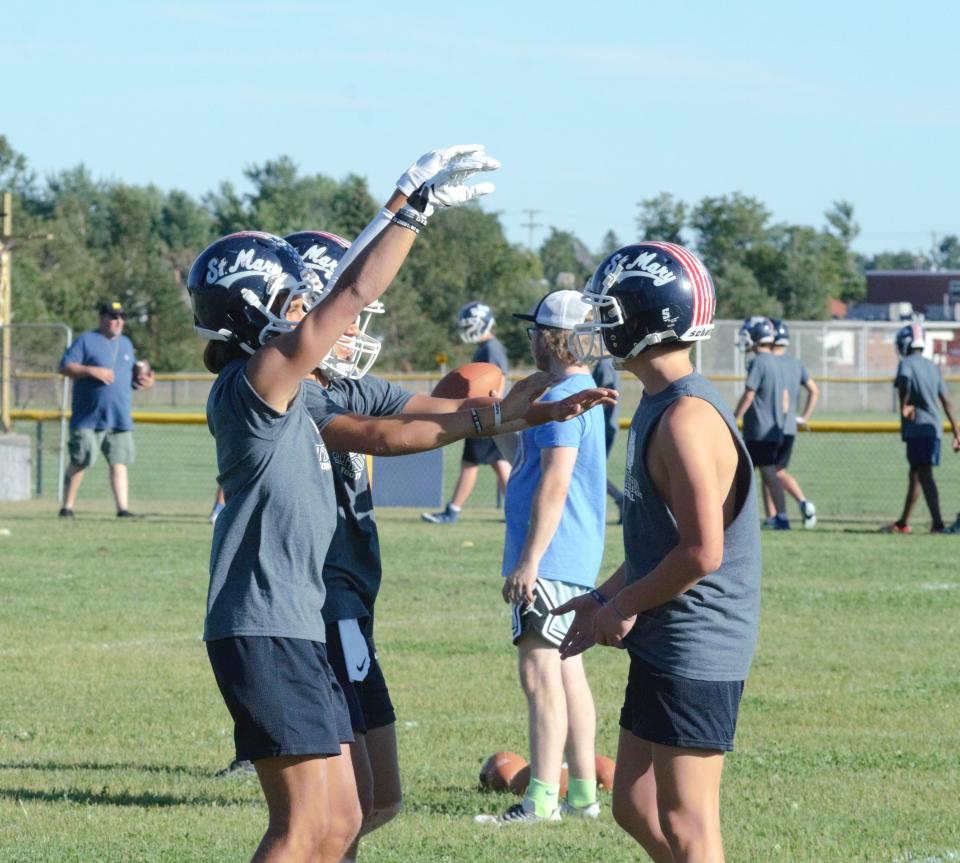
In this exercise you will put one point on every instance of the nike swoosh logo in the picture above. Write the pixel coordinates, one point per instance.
(362, 665)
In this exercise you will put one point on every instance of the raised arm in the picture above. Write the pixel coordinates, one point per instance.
(437, 180)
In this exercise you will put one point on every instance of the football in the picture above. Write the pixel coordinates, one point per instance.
(470, 381)
(605, 768)
(520, 782)
(499, 769)
(141, 370)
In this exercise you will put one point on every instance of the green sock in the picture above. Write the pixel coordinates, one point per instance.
(545, 797)
(581, 792)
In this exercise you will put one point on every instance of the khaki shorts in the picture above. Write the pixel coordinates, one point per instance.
(536, 617)
(84, 444)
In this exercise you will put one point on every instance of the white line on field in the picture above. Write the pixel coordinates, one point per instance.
(103, 646)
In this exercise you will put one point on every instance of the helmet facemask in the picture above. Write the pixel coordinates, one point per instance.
(354, 355)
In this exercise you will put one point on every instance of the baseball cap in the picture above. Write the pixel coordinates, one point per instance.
(562, 310)
(114, 309)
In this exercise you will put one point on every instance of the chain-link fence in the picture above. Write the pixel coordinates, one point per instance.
(848, 474)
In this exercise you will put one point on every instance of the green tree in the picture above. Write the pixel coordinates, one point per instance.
(562, 252)
(662, 218)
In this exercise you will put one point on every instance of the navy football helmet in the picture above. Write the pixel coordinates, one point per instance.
(354, 354)
(781, 333)
(234, 285)
(642, 295)
(474, 321)
(909, 338)
(758, 330)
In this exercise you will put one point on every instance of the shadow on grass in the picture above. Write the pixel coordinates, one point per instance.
(55, 766)
(105, 797)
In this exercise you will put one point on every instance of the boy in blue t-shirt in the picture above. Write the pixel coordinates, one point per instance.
(555, 512)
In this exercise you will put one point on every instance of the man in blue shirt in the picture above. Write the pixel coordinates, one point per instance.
(104, 370)
(555, 511)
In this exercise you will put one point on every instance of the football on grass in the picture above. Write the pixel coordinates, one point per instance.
(499, 769)
(470, 381)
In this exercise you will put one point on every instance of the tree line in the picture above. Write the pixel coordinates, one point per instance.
(114, 240)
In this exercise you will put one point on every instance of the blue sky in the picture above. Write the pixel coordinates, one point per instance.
(590, 106)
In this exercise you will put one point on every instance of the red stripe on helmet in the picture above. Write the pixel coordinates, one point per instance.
(701, 292)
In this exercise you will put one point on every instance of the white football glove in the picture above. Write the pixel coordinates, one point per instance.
(430, 164)
(449, 187)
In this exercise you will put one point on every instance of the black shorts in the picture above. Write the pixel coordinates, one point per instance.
(784, 451)
(282, 695)
(763, 453)
(923, 451)
(368, 700)
(678, 711)
(480, 451)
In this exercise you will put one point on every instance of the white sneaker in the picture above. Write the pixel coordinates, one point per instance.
(590, 811)
(519, 813)
(809, 513)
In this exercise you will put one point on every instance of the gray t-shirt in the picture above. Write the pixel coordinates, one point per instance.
(492, 351)
(270, 540)
(795, 375)
(710, 631)
(923, 383)
(352, 571)
(765, 418)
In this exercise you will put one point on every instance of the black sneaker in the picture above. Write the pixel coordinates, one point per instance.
(237, 768)
(125, 513)
(65, 513)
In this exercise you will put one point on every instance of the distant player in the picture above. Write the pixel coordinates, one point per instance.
(796, 376)
(686, 601)
(605, 375)
(475, 325)
(920, 386)
(763, 409)
(555, 508)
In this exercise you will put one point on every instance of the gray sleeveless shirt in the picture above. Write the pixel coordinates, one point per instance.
(709, 632)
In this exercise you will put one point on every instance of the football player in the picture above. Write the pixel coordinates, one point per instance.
(264, 628)
(686, 601)
(763, 409)
(796, 376)
(475, 325)
(357, 413)
(920, 386)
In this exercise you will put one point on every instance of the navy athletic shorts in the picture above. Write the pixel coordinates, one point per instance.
(763, 453)
(480, 451)
(678, 711)
(784, 451)
(368, 700)
(923, 451)
(282, 695)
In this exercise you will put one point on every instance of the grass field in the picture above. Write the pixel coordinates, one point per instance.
(111, 727)
(860, 477)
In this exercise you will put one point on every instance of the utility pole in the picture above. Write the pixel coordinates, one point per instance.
(7, 239)
(530, 224)
(6, 313)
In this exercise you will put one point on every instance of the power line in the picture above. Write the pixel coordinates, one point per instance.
(530, 224)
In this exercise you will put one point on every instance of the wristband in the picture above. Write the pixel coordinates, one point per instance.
(410, 219)
(497, 414)
(475, 416)
(599, 597)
